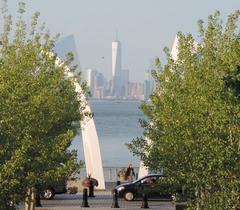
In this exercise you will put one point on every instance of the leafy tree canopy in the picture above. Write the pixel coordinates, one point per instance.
(38, 105)
(193, 125)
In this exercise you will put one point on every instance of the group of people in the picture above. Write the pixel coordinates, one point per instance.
(126, 175)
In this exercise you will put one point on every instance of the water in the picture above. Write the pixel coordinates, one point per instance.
(117, 123)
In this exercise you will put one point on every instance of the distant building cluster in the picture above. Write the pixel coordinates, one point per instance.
(119, 86)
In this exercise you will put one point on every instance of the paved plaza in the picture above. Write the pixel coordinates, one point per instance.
(102, 200)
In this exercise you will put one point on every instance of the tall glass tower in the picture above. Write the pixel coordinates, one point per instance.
(116, 67)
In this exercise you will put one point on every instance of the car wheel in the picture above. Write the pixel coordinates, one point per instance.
(174, 198)
(48, 194)
(128, 196)
(177, 198)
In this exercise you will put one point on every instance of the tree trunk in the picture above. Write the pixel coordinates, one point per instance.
(30, 199)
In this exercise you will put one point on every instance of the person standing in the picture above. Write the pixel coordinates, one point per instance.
(130, 173)
(121, 175)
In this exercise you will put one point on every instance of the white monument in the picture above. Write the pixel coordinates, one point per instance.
(143, 170)
(91, 145)
(175, 51)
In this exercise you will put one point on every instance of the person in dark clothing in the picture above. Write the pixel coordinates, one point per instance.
(130, 173)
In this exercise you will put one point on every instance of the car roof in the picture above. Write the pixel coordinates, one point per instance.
(149, 175)
(135, 181)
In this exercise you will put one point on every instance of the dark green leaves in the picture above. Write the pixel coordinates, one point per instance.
(38, 108)
(193, 117)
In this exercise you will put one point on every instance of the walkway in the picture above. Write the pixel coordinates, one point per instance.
(102, 201)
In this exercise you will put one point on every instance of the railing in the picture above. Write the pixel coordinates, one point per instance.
(110, 172)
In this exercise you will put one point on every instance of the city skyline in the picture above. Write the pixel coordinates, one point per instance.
(119, 86)
(144, 27)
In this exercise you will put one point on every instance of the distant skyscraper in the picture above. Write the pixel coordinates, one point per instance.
(96, 82)
(124, 81)
(116, 67)
(136, 90)
(87, 76)
(149, 83)
(125, 76)
(65, 45)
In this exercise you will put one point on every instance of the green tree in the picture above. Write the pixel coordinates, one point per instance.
(38, 105)
(193, 119)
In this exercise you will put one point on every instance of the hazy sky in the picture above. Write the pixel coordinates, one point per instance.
(144, 27)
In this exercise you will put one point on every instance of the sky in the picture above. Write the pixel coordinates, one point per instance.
(144, 27)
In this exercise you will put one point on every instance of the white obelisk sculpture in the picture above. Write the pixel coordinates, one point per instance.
(143, 170)
(174, 51)
(91, 145)
(92, 152)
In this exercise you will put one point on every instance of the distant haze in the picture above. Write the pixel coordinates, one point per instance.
(144, 27)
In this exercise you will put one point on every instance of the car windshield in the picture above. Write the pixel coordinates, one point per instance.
(147, 180)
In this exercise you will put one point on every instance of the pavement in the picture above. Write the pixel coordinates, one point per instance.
(103, 200)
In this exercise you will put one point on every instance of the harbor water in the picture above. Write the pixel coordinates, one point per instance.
(117, 123)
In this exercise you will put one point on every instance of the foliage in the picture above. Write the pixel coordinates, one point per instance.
(38, 105)
(194, 116)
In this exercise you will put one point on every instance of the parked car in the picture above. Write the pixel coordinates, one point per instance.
(153, 185)
(51, 190)
(60, 187)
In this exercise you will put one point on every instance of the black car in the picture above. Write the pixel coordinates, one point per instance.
(152, 185)
(56, 188)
